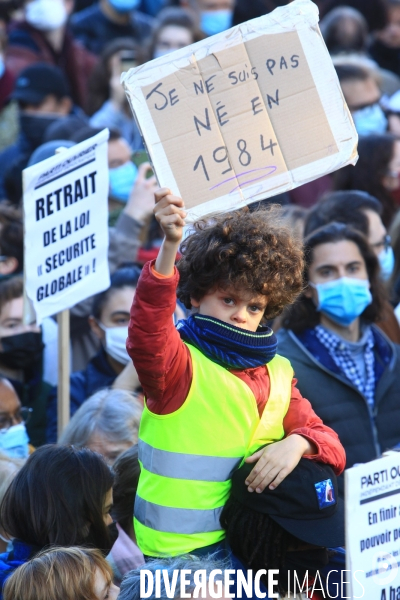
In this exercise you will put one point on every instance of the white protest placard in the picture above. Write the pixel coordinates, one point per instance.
(246, 114)
(66, 227)
(372, 505)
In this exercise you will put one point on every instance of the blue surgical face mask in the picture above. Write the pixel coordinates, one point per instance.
(124, 6)
(370, 119)
(122, 180)
(14, 441)
(386, 262)
(344, 299)
(215, 21)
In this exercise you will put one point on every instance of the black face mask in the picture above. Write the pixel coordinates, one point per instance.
(113, 532)
(34, 127)
(104, 543)
(21, 351)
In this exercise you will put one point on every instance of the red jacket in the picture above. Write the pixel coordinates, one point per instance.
(164, 367)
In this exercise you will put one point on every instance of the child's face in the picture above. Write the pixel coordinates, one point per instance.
(239, 308)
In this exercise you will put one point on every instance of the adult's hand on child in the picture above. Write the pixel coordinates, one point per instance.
(170, 215)
(141, 200)
(276, 461)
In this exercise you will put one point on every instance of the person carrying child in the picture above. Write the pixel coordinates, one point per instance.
(216, 391)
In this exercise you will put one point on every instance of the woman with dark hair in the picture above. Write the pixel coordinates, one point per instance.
(376, 172)
(331, 340)
(61, 497)
(363, 212)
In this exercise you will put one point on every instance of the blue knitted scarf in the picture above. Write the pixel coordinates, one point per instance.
(229, 346)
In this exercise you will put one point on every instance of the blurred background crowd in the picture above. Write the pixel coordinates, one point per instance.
(60, 67)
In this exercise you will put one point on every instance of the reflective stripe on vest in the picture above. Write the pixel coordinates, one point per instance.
(187, 457)
(177, 520)
(186, 466)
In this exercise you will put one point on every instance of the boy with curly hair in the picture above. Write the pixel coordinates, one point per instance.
(216, 391)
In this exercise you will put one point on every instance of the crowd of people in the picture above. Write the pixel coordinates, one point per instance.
(198, 433)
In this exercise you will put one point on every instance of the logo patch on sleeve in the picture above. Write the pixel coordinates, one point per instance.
(325, 493)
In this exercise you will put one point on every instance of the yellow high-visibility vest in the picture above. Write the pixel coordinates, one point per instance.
(187, 457)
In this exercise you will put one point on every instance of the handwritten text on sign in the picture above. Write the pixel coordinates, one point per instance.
(239, 116)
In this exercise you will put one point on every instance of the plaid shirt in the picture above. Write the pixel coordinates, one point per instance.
(341, 354)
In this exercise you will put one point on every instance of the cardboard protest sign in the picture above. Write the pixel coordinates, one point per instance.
(66, 227)
(372, 507)
(246, 114)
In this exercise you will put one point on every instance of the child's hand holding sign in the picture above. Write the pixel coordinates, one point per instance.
(170, 215)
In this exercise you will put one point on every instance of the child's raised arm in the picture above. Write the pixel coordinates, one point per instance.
(170, 216)
(160, 357)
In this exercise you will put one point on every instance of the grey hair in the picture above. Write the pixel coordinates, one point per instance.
(113, 413)
(130, 586)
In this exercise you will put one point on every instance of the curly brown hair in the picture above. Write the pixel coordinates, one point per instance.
(251, 251)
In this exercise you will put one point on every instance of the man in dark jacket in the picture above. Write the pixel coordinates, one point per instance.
(364, 434)
(344, 364)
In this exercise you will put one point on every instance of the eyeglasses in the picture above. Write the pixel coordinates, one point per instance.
(21, 416)
(385, 243)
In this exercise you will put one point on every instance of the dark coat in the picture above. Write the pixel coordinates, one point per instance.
(364, 433)
(27, 46)
(97, 375)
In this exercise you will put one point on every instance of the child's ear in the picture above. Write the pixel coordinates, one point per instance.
(194, 303)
